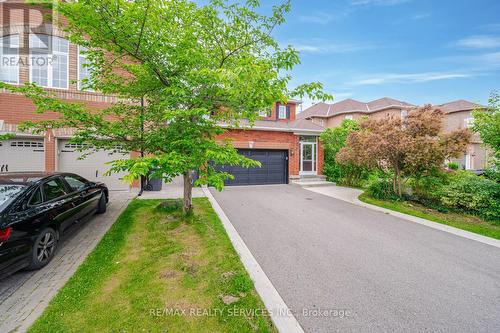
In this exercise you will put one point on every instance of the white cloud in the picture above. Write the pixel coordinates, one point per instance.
(378, 2)
(322, 46)
(420, 16)
(317, 18)
(479, 42)
(407, 78)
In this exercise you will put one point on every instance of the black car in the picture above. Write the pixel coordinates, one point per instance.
(36, 209)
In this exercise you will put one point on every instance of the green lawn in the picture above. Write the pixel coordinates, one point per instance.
(461, 221)
(155, 271)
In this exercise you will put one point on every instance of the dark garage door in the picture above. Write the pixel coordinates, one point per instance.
(274, 169)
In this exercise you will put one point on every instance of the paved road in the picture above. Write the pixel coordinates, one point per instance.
(24, 295)
(387, 274)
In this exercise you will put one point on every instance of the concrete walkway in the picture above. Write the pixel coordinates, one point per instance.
(345, 268)
(24, 295)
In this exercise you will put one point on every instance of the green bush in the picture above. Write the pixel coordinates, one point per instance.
(453, 165)
(473, 194)
(381, 188)
(427, 190)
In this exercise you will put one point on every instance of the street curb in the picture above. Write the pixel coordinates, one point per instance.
(280, 314)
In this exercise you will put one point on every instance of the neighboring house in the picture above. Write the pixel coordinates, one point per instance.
(286, 147)
(458, 114)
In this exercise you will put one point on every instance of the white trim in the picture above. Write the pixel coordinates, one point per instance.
(314, 151)
(280, 314)
(282, 109)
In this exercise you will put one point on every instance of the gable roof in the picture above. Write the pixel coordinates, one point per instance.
(351, 105)
(458, 105)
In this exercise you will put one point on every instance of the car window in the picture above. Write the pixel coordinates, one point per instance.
(36, 198)
(76, 183)
(9, 193)
(53, 189)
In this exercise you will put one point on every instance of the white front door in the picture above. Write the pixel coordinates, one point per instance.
(308, 158)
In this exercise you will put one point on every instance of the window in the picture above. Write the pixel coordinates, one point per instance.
(75, 182)
(53, 189)
(49, 61)
(282, 114)
(9, 59)
(84, 69)
(468, 122)
(27, 144)
(36, 198)
(348, 116)
(322, 122)
(404, 114)
(264, 113)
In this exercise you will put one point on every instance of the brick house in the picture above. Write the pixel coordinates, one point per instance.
(458, 114)
(286, 147)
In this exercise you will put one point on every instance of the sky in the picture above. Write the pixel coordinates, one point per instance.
(418, 51)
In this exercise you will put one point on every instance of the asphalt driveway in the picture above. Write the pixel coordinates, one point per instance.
(345, 268)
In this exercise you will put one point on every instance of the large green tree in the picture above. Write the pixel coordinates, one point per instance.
(179, 70)
(487, 123)
(411, 147)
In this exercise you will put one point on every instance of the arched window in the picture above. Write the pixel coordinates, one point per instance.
(9, 59)
(49, 61)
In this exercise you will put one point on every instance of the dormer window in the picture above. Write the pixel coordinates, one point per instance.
(282, 114)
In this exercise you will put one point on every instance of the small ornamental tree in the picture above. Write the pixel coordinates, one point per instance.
(178, 69)
(333, 140)
(487, 123)
(410, 147)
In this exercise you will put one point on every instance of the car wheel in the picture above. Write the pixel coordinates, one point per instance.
(44, 248)
(101, 206)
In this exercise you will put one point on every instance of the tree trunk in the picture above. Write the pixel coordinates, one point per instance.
(187, 206)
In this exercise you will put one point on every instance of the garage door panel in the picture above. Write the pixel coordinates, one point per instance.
(92, 166)
(273, 170)
(22, 154)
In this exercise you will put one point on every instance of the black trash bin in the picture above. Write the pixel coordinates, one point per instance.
(153, 183)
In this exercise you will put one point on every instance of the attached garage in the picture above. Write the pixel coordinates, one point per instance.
(92, 167)
(274, 169)
(22, 155)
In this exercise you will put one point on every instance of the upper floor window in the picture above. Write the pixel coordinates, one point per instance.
(468, 122)
(84, 69)
(404, 114)
(282, 114)
(9, 59)
(49, 61)
(348, 116)
(264, 113)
